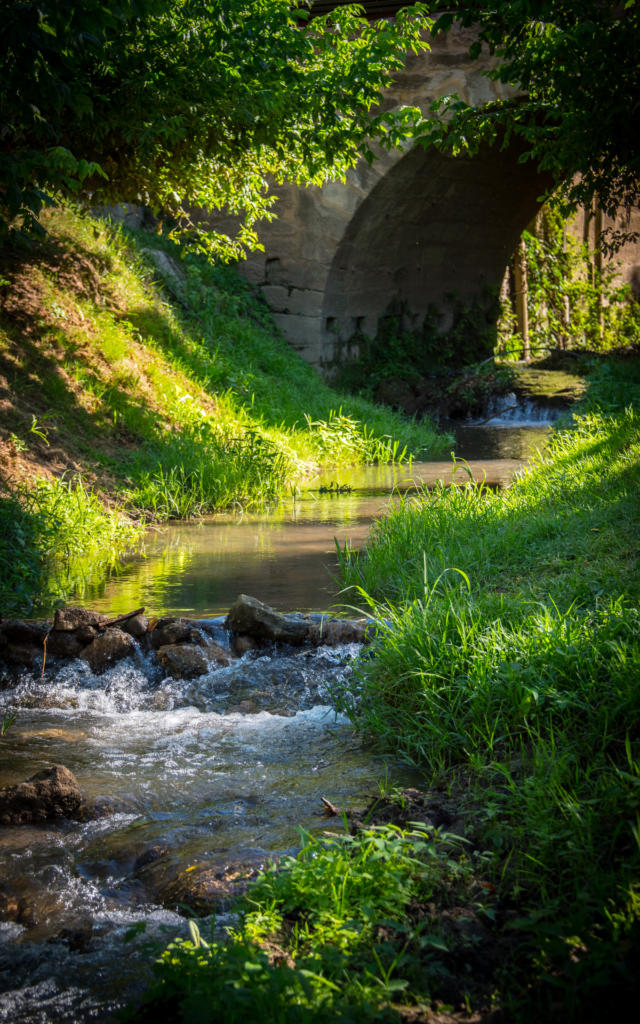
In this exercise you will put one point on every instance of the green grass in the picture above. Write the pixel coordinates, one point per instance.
(53, 533)
(508, 668)
(321, 936)
(176, 398)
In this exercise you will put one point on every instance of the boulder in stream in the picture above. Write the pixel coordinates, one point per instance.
(107, 649)
(21, 642)
(66, 643)
(136, 626)
(332, 632)
(251, 617)
(183, 661)
(28, 634)
(50, 793)
(173, 631)
(67, 619)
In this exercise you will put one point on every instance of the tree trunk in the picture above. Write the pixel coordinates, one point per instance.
(597, 257)
(522, 290)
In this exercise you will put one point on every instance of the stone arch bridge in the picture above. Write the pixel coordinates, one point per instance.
(415, 232)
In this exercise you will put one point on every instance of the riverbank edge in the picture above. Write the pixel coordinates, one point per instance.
(545, 867)
(136, 386)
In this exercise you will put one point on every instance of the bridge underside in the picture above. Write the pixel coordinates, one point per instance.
(434, 234)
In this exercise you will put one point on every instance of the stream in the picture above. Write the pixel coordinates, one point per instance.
(182, 774)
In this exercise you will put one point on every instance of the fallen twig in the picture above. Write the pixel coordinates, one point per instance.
(122, 618)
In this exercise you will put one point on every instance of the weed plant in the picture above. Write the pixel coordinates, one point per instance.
(508, 668)
(323, 936)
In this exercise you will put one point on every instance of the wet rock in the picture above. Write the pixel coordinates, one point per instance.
(22, 634)
(171, 631)
(218, 654)
(66, 619)
(136, 626)
(148, 857)
(332, 632)
(25, 656)
(251, 617)
(183, 662)
(51, 793)
(85, 634)
(107, 649)
(242, 644)
(65, 643)
(209, 888)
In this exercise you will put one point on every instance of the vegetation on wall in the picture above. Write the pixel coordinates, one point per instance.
(573, 72)
(399, 353)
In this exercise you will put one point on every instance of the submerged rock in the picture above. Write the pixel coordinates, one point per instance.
(50, 793)
(183, 661)
(9, 906)
(107, 649)
(147, 857)
(251, 617)
(208, 888)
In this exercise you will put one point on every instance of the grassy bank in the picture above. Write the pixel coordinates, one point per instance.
(159, 385)
(509, 667)
(508, 671)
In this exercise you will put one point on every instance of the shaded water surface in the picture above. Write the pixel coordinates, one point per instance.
(286, 556)
(178, 765)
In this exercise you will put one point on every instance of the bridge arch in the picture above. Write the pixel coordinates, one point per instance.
(436, 232)
(406, 233)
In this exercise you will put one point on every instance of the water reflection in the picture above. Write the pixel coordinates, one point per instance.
(287, 556)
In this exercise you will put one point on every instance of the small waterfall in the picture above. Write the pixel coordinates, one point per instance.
(511, 411)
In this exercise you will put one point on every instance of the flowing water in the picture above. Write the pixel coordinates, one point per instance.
(179, 765)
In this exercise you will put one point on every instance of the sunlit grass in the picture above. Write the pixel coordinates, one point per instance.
(177, 402)
(508, 668)
(53, 534)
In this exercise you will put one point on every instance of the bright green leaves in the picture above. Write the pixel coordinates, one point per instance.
(575, 68)
(194, 103)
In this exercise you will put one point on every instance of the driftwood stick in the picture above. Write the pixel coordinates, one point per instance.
(44, 653)
(330, 809)
(122, 618)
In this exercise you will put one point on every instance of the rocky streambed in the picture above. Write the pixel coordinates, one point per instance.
(154, 766)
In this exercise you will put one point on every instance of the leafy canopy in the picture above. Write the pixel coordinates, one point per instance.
(183, 104)
(575, 107)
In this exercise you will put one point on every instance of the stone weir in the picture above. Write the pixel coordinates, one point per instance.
(182, 648)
